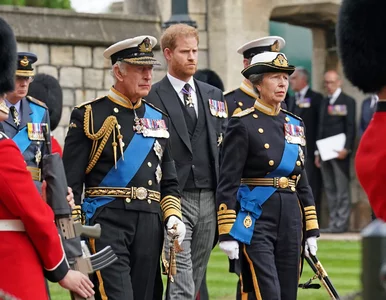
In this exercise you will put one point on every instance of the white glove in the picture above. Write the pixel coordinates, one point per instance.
(311, 246)
(231, 248)
(180, 231)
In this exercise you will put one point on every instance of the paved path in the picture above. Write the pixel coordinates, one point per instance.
(349, 236)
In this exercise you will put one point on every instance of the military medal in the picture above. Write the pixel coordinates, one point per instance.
(158, 150)
(138, 128)
(294, 134)
(217, 108)
(247, 221)
(158, 174)
(188, 98)
(219, 140)
(153, 128)
(38, 156)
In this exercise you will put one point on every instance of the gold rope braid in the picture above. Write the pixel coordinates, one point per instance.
(103, 133)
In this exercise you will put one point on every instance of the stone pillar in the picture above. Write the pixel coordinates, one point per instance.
(141, 7)
(231, 24)
(318, 58)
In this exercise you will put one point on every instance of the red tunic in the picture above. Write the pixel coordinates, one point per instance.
(24, 254)
(370, 161)
(56, 146)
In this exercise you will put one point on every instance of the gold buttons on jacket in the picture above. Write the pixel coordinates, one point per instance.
(128, 200)
(293, 176)
(240, 103)
(298, 163)
(261, 130)
(255, 116)
(293, 189)
(149, 164)
(287, 119)
(116, 110)
(271, 162)
(266, 146)
(150, 182)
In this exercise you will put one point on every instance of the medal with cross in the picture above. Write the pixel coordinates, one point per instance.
(188, 98)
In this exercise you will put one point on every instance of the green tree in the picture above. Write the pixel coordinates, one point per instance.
(64, 4)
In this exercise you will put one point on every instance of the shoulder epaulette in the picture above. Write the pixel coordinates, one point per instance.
(244, 112)
(36, 101)
(3, 136)
(291, 114)
(155, 107)
(88, 102)
(226, 93)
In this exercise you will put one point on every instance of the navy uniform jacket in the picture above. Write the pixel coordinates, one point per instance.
(34, 153)
(253, 147)
(89, 154)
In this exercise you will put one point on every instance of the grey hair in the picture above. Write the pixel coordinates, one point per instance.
(256, 79)
(121, 67)
(303, 72)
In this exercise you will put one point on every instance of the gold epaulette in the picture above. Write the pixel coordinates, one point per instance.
(311, 218)
(155, 107)
(291, 114)
(225, 219)
(36, 101)
(88, 102)
(244, 112)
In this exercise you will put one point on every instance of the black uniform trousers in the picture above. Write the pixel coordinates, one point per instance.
(274, 254)
(136, 238)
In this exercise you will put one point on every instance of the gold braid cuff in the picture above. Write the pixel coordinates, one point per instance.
(102, 135)
(311, 218)
(171, 206)
(225, 218)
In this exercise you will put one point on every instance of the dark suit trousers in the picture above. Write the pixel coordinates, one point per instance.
(336, 181)
(136, 238)
(274, 253)
(314, 176)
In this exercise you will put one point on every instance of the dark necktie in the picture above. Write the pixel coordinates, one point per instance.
(15, 115)
(188, 100)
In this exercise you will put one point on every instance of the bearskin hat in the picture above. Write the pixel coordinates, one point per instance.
(7, 58)
(47, 89)
(361, 43)
(210, 77)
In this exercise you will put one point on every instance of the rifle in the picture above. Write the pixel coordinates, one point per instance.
(77, 253)
(321, 274)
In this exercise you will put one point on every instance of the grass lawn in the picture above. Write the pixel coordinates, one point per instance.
(341, 259)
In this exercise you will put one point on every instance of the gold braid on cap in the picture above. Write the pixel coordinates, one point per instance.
(103, 134)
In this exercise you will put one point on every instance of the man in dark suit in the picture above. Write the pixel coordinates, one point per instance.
(245, 96)
(306, 104)
(198, 117)
(337, 116)
(367, 111)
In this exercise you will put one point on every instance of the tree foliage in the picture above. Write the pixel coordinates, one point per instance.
(64, 4)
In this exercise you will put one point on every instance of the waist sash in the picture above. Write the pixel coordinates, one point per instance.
(135, 153)
(21, 138)
(251, 201)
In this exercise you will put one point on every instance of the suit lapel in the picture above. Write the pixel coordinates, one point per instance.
(10, 121)
(207, 94)
(169, 99)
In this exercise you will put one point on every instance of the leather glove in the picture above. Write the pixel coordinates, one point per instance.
(231, 248)
(179, 231)
(311, 246)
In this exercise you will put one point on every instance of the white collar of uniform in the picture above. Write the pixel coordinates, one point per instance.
(178, 84)
(17, 105)
(335, 95)
(303, 91)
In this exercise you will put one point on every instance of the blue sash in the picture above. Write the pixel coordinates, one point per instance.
(21, 138)
(135, 154)
(251, 201)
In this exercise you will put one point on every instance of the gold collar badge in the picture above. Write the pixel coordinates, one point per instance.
(280, 61)
(24, 62)
(145, 46)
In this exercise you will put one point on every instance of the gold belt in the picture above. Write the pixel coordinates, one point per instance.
(36, 173)
(139, 193)
(277, 182)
